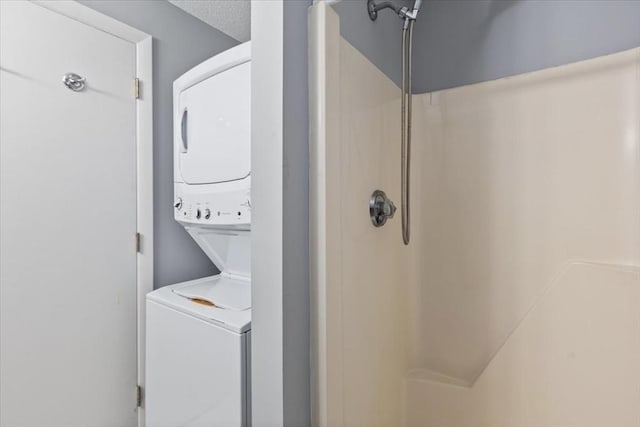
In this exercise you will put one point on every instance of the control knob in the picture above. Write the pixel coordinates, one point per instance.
(178, 203)
(207, 214)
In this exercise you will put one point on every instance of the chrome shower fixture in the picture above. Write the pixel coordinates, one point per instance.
(402, 12)
(408, 17)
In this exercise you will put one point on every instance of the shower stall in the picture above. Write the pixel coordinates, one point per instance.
(517, 300)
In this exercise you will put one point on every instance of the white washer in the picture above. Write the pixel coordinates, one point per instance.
(198, 333)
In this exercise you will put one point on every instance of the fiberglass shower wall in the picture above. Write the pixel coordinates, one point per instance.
(359, 277)
(525, 265)
(517, 302)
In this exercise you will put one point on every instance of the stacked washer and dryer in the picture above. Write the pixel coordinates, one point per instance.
(198, 333)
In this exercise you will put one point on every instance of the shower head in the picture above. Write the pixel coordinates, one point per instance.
(416, 8)
(403, 12)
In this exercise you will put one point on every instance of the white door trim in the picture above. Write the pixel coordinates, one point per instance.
(267, 320)
(144, 135)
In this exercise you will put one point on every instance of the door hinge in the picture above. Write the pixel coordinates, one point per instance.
(139, 397)
(138, 242)
(136, 88)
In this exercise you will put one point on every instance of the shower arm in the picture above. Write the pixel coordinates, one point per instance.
(374, 7)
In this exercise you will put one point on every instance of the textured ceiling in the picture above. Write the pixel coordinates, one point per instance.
(232, 17)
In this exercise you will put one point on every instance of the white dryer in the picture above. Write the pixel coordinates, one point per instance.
(198, 333)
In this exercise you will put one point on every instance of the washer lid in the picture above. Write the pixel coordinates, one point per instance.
(229, 296)
(222, 292)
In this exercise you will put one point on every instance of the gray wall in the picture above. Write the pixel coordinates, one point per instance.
(380, 40)
(458, 42)
(180, 41)
(295, 239)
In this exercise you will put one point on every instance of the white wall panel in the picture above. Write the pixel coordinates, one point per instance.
(360, 275)
(514, 178)
(518, 183)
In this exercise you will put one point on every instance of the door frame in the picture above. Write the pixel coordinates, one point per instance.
(144, 155)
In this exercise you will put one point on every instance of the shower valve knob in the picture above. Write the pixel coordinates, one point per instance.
(381, 208)
(389, 209)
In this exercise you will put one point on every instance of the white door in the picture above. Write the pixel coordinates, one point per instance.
(68, 221)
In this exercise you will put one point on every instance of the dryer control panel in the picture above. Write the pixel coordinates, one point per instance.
(222, 208)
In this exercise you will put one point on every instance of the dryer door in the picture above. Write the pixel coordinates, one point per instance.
(213, 128)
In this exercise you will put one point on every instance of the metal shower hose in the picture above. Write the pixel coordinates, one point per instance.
(407, 37)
